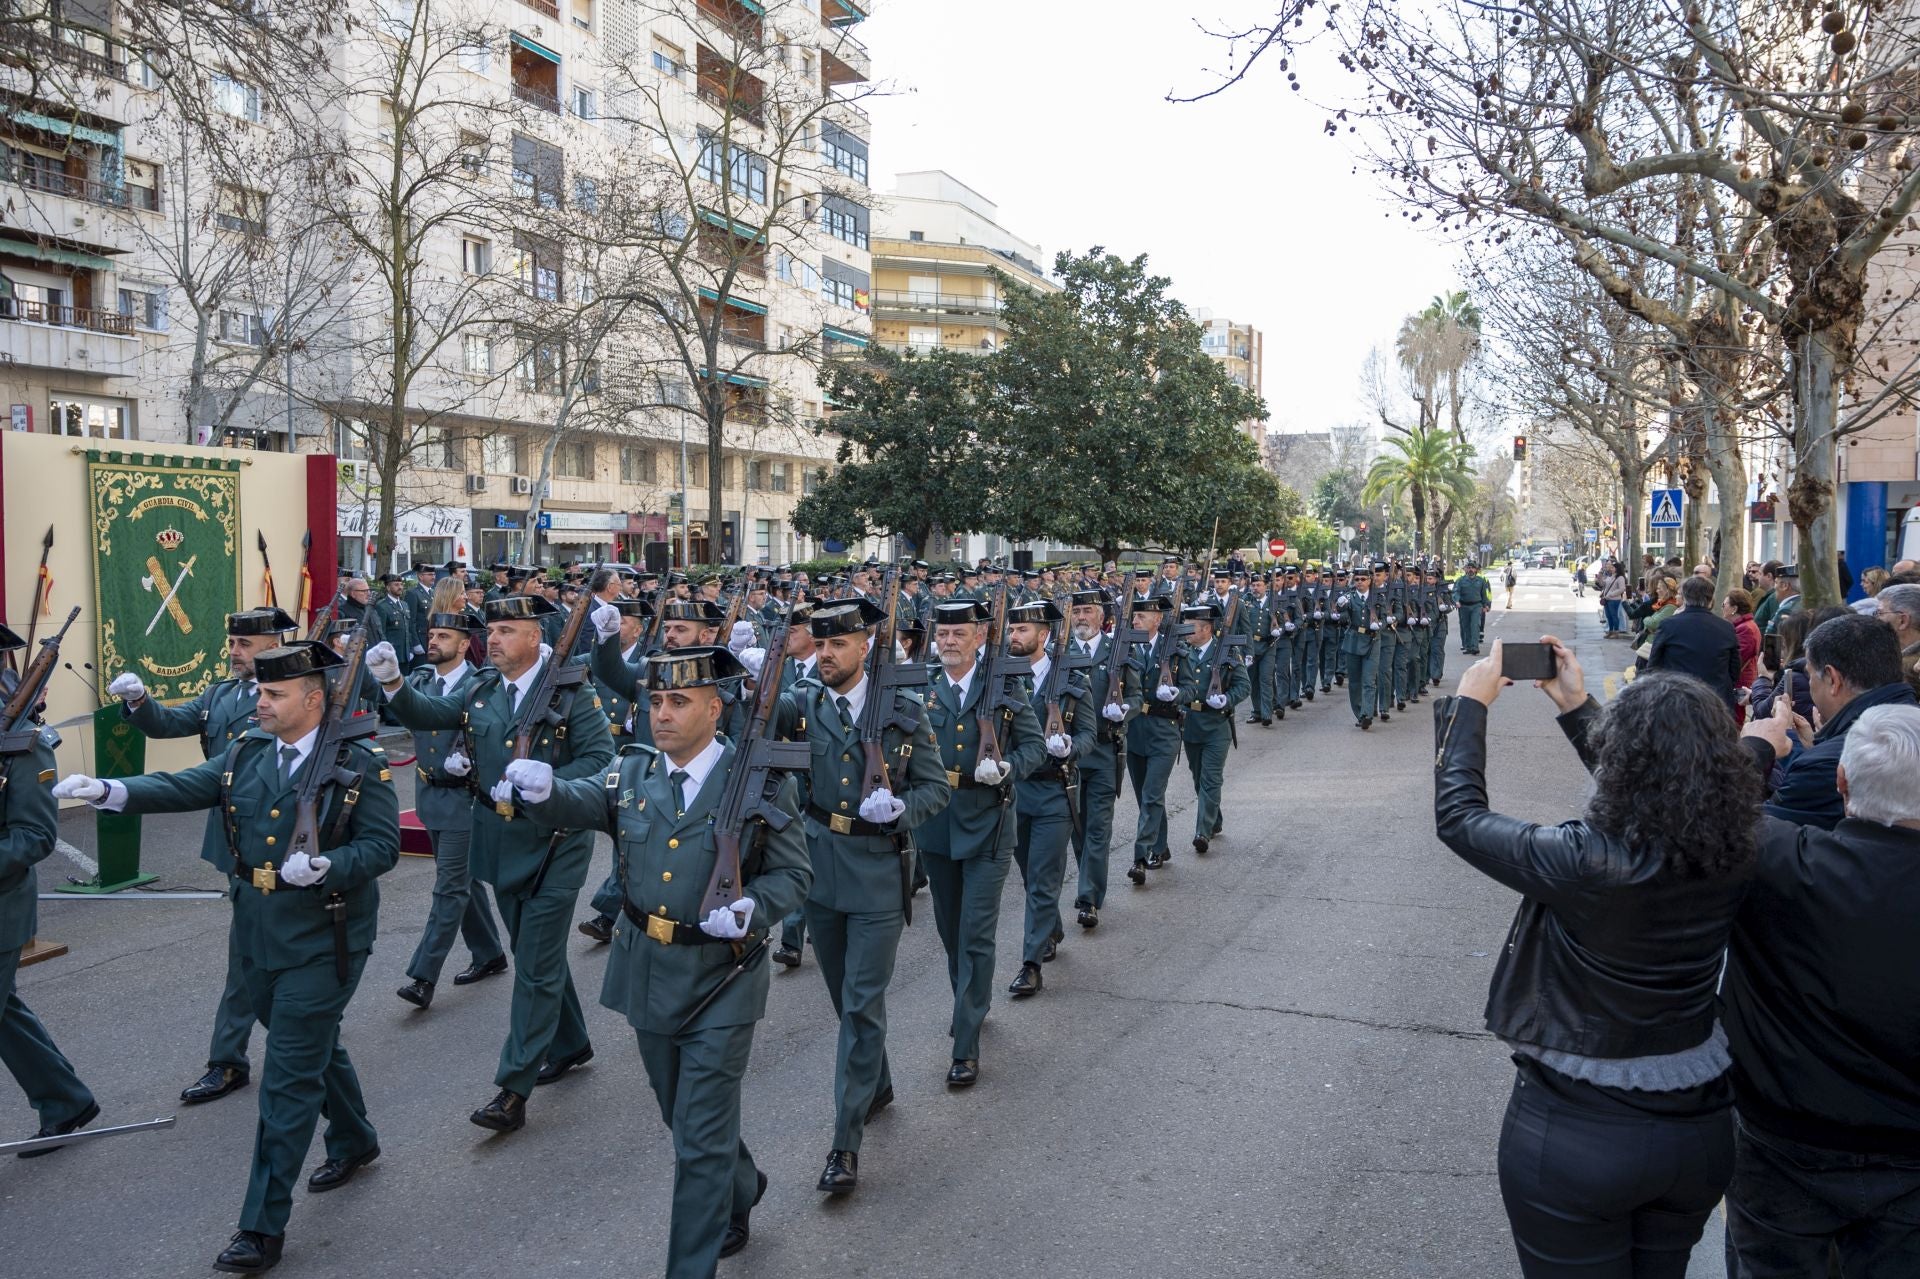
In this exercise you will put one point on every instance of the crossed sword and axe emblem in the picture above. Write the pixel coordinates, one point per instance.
(157, 580)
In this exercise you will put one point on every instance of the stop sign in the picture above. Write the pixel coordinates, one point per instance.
(1276, 546)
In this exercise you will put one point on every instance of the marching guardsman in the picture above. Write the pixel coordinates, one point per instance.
(1363, 609)
(1171, 567)
(1044, 799)
(442, 799)
(1208, 730)
(1442, 592)
(303, 923)
(1313, 629)
(966, 847)
(802, 665)
(390, 619)
(689, 983)
(29, 828)
(857, 905)
(536, 868)
(419, 601)
(219, 716)
(1259, 618)
(1153, 739)
(1474, 595)
(1287, 686)
(1421, 610)
(499, 580)
(1116, 685)
(1333, 649)
(1393, 618)
(1400, 596)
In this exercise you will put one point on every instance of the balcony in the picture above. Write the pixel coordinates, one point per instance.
(724, 85)
(535, 71)
(536, 98)
(54, 182)
(962, 345)
(91, 52)
(66, 317)
(935, 303)
(851, 116)
(843, 59)
(67, 339)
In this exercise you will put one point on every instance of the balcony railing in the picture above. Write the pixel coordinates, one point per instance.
(66, 317)
(90, 51)
(546, 7)
(54, 182)
(904, 300)
(740, 107)
(539, 98)
(969, 346)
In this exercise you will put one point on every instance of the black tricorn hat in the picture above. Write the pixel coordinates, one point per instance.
(390, 577)
(422, 566)
(1034, 611)
(1200, 613)
(1153, 604)
(260, 621)
(959, 612)
(698, 666)
(633, 607)
(705, 612)
(462, 622)
(845, 618)
(1089, 597)
(291, 661)
(518, 608)
(8, 640)
(342, 626)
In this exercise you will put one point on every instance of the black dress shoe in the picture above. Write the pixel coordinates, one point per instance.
(1155, 861)
(507, 1112)
(1366, 722)
(1090, 915)
(75, 1124)
(1386, 717)
(417, 992)
(1340, 681)
(737, 1230)
(963, 1073)
(1048, 951)
(336, 1173)
(1401, 707)
(787, 956)
(1138, 874)
(1309, 694)
(1200, 845)
(842, 1175)
(250, 1252)
(215, 1084)
(881, 1100)
(551, 1071)
(1294, 705)
(475, 971)
(1279, 712)
(600, 928)
(1025, 984)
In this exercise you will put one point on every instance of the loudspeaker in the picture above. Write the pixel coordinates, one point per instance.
(657, 556)
(1023, 560)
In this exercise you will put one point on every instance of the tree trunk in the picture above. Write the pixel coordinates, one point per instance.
(1419, 519)
(1633, 501)
(1730, 477)
(1815, 469)
(716, 470)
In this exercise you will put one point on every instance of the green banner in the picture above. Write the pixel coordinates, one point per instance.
(166, 567)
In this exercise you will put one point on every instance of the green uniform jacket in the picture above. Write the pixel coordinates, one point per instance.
(1358, 613)
(1044, 788)
(289, 926)
(1109, 735)
(29, 824)
(1256, 621)
(1471, 590)
(860, 872)
(220, 716)
(617, 680)
(391, 620)
(1763, 611)
(443, 802)
(419, 603)
(1204, 723)
(508, 853)
(663, 863)
(979, 820)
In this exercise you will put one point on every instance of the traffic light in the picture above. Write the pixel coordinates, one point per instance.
(1363, 526)
(1519, 448)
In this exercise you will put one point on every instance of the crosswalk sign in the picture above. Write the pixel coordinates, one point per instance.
(1667, 505)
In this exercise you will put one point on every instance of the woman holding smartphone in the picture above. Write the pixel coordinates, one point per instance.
(1618, 1138)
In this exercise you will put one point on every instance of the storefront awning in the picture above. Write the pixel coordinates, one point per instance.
(740, 229)
(64, 257)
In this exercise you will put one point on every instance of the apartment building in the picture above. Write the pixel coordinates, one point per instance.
(544, 106)
(1238, 349)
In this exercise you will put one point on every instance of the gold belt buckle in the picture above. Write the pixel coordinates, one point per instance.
(504, 808)
(953, 778)
(661, 930)
(265, 879)
(840, 824)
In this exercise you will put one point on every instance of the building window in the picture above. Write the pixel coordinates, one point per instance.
(476, 54)
(236, 98)
(238, 209)
(916, 236)
(477, 352)
(349, 440)
(756, 476)
(844, 220)
(777, 477)
(143, 185)
(838, 292)
(573, 460)
(476, 255)
(501, 454)
(586, 194)
(243, 327)
(538, 170)
(473, 153)
(697, 468)
(743, 172)
(78, 415)
(844, 153)
(540, 366)
(844, 285)
(590, 377)
(537, 267)
(146, 306)
(637, 465)
(584, 104)
(438, 449)
(668, 59)
(810, 477)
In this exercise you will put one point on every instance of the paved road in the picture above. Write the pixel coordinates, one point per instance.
(1269, 1062)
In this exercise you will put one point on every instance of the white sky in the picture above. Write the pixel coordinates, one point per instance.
(1055, 110)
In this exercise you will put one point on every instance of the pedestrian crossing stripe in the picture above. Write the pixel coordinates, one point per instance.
(1665, 513)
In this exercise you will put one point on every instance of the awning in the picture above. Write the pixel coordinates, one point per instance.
(851, 12)
(726, 223)
(738, 379)
(738, 304)
(65, 257)
(538, 50)
(841, 335)
(754, 7)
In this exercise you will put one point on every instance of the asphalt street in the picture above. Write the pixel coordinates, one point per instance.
(1269, 1062)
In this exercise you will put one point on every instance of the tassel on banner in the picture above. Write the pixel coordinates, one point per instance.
(266, 588)
(46, 593)
(306, 591)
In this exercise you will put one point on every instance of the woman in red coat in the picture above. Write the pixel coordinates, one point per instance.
(1739, 610)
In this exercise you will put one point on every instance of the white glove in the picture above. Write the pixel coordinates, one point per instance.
(1289, 627)
(1114, 711)
(418, 651)
(881, 807)
(753, 659)
(79, 785)
(1318, 615)
(991, 773)
(606, 620)
(303, 872)
(1217, 700)
(531, 777)
(1167, 693)
(383, 663)
(740, 637)
(457, 764)
(502, 792)
(1373, 626)
(546, 652)
(127, 687)
(1341, 602)
(729, 922)
(1059, 746)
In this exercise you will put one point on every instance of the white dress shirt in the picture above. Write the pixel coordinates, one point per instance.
(696, 770)
(519, 688)
(449, 680)
(856, 698)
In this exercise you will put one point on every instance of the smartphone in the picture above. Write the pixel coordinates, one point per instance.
(1527, 661)
(1770, 651)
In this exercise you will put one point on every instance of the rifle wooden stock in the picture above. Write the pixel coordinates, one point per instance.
(16, 720)
(747, 795)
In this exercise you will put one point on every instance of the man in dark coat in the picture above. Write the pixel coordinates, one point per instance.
(1699, 642)
(1853, 663)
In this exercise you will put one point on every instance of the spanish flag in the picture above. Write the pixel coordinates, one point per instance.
(306, 592)
(46, 591)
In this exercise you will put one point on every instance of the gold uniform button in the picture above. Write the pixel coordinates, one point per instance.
(271, 841)
(673, 843)
(846, 759)
(661, 911)
(666, 877)
(846, 781)
(843, 804)
(274, 813)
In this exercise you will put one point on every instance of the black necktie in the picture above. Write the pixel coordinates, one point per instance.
(679, 779)
(288, 756)
(846, 713)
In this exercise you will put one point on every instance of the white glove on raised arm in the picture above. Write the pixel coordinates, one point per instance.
(531, 777)
(303, 871)
(383, 663)
(753, 659)
(606, 620)
(128, 687)
(882, 807)
(80, 786)
(741, 636)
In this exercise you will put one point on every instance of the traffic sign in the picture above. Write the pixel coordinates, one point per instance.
(1667, 507)
(1276, 547)
(1485, 547)
(1592, 533)
(1347, 533)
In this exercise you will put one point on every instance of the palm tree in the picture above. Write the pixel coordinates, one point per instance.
(1426, 465)
(1437, 345)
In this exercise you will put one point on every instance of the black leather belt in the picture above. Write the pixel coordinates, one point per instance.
(841, 824)
(1164, 710)
(670, 932)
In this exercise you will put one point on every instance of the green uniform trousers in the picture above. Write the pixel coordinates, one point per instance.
(696, 1079)
(966, 910)
(1265, 681)
(1437, 649)
(1403, 645)
(1471, 616)
(1207, 761)
(1362, 686)
(1151, 751)
(28, 1050)
(1309, 647)
(856, 951)
(1040, 847)
(1093, 836)
(1286, 675)
(459, 905)
(546, 1020)
(306, 1076)
(233, 1018)
(1385, 656)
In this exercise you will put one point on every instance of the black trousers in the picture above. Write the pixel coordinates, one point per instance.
(1791, 1206)
(1605, 1183)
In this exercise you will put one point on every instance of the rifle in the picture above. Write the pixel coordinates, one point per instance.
(996, 669)
(884, 675)
(1051, 695)
(324, 619)
(1120, 647)
(1172, 631)
(660, 597)
(539, 708)
(338, 727)
(1223, 640)
(17, 732)
(750, 782)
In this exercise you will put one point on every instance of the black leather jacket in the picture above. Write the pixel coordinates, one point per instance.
(1608, 956)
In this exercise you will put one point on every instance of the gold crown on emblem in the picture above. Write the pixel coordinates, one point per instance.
(169, 538)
